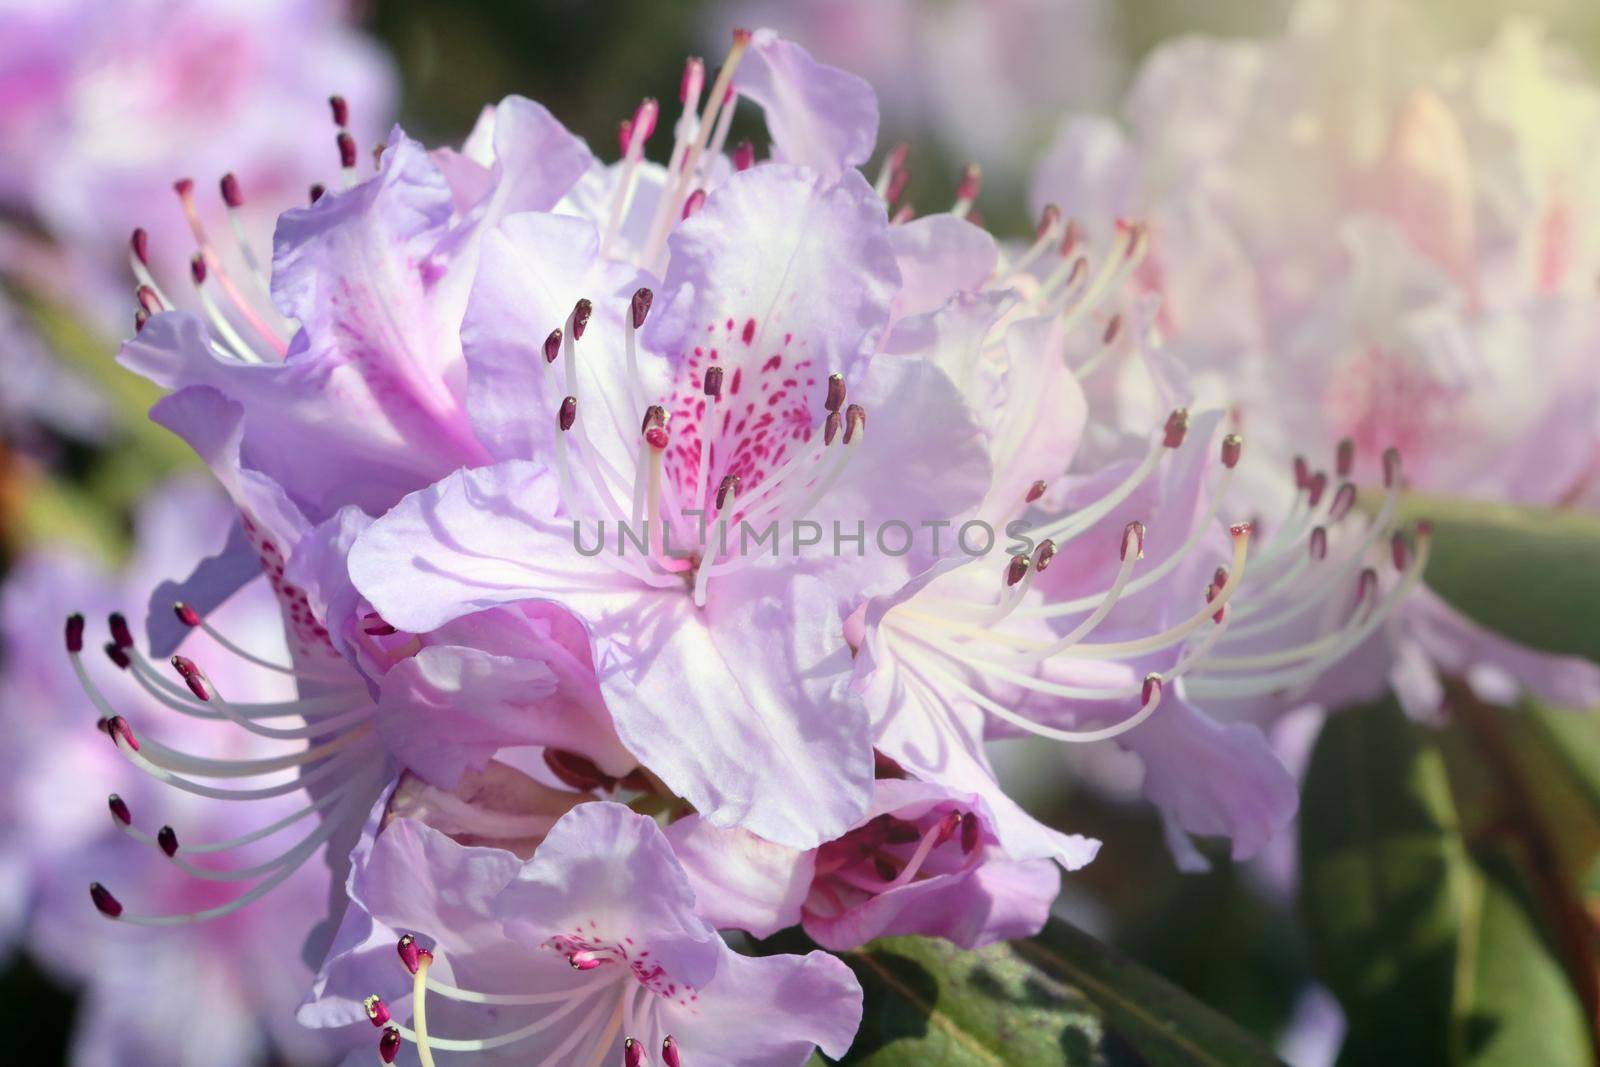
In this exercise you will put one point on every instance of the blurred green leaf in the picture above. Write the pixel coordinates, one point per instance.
(1386, 883)
(1061, 999)
(1516, 1005)
(1531, 574)
(1436, 943)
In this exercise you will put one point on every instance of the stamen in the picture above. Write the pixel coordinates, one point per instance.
(967, 190)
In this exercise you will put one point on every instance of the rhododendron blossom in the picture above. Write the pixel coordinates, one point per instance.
(658, 550)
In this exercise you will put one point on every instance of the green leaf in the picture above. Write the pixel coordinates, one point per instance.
(1435, 945)
(1531, 574)
(1516, 1004)
(1061, 999)
(1386, 883)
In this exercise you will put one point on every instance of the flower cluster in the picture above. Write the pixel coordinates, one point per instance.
(864, 519)
(1358, 243)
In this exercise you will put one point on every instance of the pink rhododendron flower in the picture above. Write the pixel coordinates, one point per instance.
(592, 951)
(1359, 265)
(102, 105)
(730, 489)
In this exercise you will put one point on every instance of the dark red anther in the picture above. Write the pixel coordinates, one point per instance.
(341, 111)
(149, 302)
(552, 345)
(140, 317)
(1070, 240)
(1135, 238)
(1113, 328)
(140, 243)
(741, 36)
(640, 305)
(118, 655)
(389, 1045)
(836, 392)
(644, 119)
(1315, 487)
(632, 1053)
(830, 427)
(1177, 428)
(1424, 529)
(729, 484)
(167, 838)
(669, 1052)
(186, 614)
(1343, 501)
(1045, 553)
(971, 182)
(1319, 543)
(1241, 529)
(898, 180)
(1017, 569)
(1151, 690)
(1391, 467)
(1219, 577)
(969, 831)
(184, 187)
(75, 633)
(1133, 540)
(855, 421)
(108, 905)
(694, 78)
(885, 867)
(1035, 491)
(347, 149)
(317, 191)
(119, 810)
(119, 630)
(695, 201)
(1366, 584)
(949, 824)
(577, 771)
(580, 317)
(1302, 472)
(197, 268)
(191, 676)
(713, 381)
(1397, 550)
(377, 1011)
(896, 831)
(654, 427)
(744, 155)
(903, 214)
(1345, 458)
(568, 413)
(1049, 219)
(896, 160)
(1232, 449)
(410, 952)
(232, 195)
(624, 135)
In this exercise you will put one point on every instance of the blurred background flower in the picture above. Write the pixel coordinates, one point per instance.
(1367, 220)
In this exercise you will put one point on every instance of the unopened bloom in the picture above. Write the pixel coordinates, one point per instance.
(592, 951)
